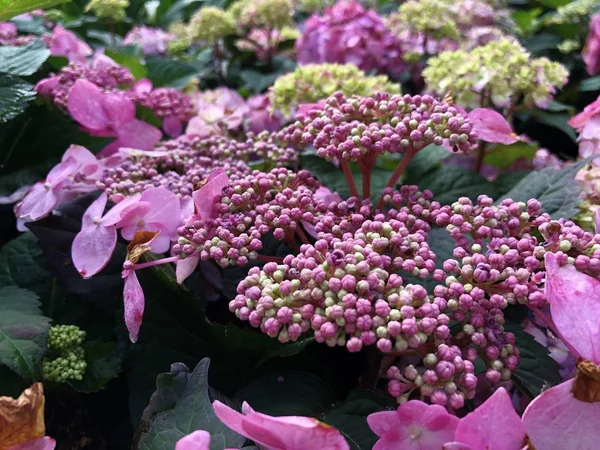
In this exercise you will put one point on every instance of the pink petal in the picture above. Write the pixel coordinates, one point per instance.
(198, 440)
(230, 417)
(597, 221)
(111, 148)
(119, 108)
(555, 420)
(185, 267)
(457, 446)
(85, 104)
(63, 170)
(138, 134)
(38, 202)
(165, 208)
(44, 443)
(94, 211)
(113, 216)
(172, 126)
(142, 86)
(46, 87)
(92, 248)
(85, 159)
(204, 197)
(197, 126)
(575, 307)
(133, 299)
(494, 425)
(491, 126)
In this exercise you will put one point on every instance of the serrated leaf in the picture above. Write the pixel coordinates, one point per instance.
(556, 189)
(21, 265)
(170, 72)
(15, 94)
(23, 332)
(24, 60)
(12, 8)
(537, 370)
(192, 412)
(103, 364)
(287, 393)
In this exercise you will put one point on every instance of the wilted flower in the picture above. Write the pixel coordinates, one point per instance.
(152, 41)
(347, 33)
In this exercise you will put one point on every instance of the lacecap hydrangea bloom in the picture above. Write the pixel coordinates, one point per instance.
(347, 33)
(152, 41)
(313, 82)
(500, 72)
(210, 24)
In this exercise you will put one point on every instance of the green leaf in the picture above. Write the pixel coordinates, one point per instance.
(423, 162)
(172, 72)
(554, 4)
(133, 63)
(556, 120)
(193, 411)
(590, 84)
(526, 20)
(285, 350)
(103, 364)
(556, 189)
(537, 370)
(20, 265)
(502, 156)
(23, 332)
(23, 60)
(12, 8)
(15, 94)
(11, 384)
(350, 417)
(288, 393)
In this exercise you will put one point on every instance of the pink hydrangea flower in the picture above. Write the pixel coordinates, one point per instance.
(346, 33)
(587, 123)
(222, 108)
(591, 51)
(64, 43)
(492, 127)
(414, 426)
(261, 117)
(494, 426)
(280, 433)
(110, 114)
(152, 41)
(556, 419)
(198, 440)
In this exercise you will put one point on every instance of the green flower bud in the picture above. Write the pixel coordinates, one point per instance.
(113, 10)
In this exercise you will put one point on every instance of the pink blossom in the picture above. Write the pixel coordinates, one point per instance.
(494, 426)
(261, 116)
(222, 108)
(198, 440)
(492, 127)
(76, 173)
(44, 443)
(110, 114)
(64, 43)
(591, 51)
(280, 433)
(414, 426)
(346, 33)
(587, 123)
(152, 41)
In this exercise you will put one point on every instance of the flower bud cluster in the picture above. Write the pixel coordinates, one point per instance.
(346, 292)
(210, 24)
(355, 128)
(113, 10)
(168, 102)
(573, 12)
(314, 82)
(247, 210)
(9, 35)
(65, 358)
(267, 14)
(507, 70)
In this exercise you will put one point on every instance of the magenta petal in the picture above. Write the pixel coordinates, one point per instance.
(46, 86)
(44, 443)
(555, 420)
(165, 208)
(38, 202)
(198, 440)
(62, 171)
(113, 216)
(80, 154)
(119, 108)
(133, 298)
(205, 196)
(491, 126)
(142, 86)
(92, 248)
(138, 134)
(94, 211)
(110, 149)
(85, 104)
(494, 425)
(457, 446)
(185, 267)
(172, 126)
(230, 417)
(575, 307)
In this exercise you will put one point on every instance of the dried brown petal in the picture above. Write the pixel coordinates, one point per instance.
(22, 419)
(140, 245)
(586, 387)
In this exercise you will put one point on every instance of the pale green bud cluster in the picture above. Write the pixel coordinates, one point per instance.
(573, 12)
(501, 72)
(267, 14)
(315, 6)
(113, 10)
(435, 18)
(211, 24)
(313, 82)
(568, 46)
(65, 358)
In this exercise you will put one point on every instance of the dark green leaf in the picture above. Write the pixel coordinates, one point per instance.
(23, 332)
(423, 162)
(192, 412)
(590, 84)
(11, 384)
(12, 8)
(171, 72)
(15, 94)
(285, 350)
(21, 265)
(350, 417)
(537, 370)
(170, 13)
(24, 60)
(526, 20)
(133, 63)
(103, 364)
(288, 393)
(556, 189)
(556, 120)
(502, 156)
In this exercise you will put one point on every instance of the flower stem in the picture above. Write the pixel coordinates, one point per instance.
(266, 258)
(349, 178)
(397, 173)
(480, 156)
(157, 262)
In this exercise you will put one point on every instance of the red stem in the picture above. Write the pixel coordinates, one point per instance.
(397, 174)
(158, 262)
(349, 178)
(266, 258)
